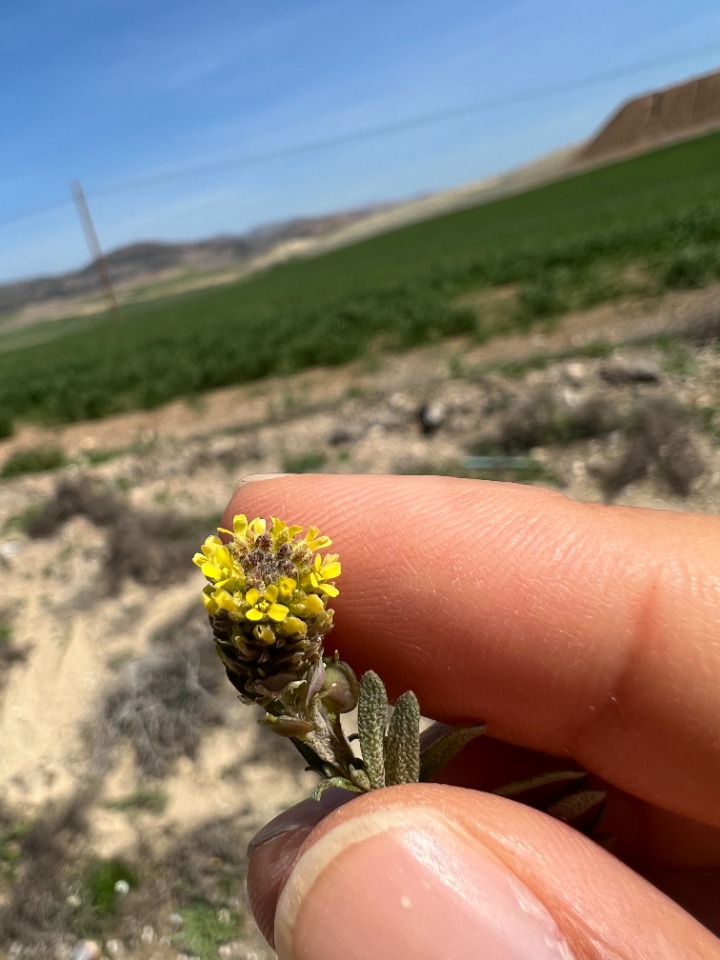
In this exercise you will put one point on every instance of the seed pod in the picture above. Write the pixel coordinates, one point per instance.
(340, 691)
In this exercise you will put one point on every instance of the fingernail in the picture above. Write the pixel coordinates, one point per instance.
(273, 852)
(256, 477)
(408, 883)
(307, 813)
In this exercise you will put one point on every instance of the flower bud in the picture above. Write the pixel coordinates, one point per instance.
(340, 690)
(287, 726)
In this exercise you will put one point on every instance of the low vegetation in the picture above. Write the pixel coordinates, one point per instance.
(10, 653)
(52, 882)
(541, 418)
(565, 246)
(205, 928)
(147, 799)
(33, 460)
(148, 547)
(163, 703)
(656, 441)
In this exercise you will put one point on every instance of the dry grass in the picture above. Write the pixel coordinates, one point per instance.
(704, 328)
(192, 894)
(164, 702)
(151, 548)
(73, 498)
(36, 904)
(657, 443)
(539, 417)
(10, 653)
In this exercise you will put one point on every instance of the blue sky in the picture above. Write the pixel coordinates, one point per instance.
(112, 91)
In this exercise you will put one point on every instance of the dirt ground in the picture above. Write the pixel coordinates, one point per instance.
(131, 777)
(663, 116)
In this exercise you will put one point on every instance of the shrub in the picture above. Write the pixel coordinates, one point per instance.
(33, 460)
(164, 702)
(658, 443)
(307, 462)
(540, 418)
(691, 267)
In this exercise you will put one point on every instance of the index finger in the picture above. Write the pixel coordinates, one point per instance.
(568, 628)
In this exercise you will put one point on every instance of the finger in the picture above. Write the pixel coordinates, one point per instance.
(646, 837)
(429, 872)
(570, 629)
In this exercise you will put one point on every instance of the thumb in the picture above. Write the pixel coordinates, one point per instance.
(431, 872)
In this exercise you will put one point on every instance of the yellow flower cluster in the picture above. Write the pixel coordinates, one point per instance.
(270, 582)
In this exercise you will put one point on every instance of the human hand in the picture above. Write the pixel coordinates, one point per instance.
(576, 631)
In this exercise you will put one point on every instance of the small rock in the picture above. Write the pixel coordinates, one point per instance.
(122, 887)
(575, 374)
(8, 549)
(115, 948)
(432, 415)
(233, 951)
(399, 402)
(570, 397)
(344, 433)
(86, 950)
(148, 934)
(630, 371)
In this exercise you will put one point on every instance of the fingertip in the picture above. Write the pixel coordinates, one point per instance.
(428, 871)
(401, 880)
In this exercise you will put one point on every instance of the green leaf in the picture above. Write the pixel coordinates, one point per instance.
(313, 761)
(580, 810)
(402, 745)
(563, 794)
(372, 721)
(360, 779)
(544, 788)
(443, 747)
(341, 782)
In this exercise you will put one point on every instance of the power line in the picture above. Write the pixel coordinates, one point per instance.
(420, 120)
(378, 130)
(35, 212)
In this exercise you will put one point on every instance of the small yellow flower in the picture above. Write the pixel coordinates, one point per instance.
(215, 560)
(263, 605)
(324, 570)
(315, 541)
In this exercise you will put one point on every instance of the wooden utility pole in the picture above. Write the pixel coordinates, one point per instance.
(96, 253)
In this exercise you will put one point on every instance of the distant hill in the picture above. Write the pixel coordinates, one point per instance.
(681, 111)
(143, 260)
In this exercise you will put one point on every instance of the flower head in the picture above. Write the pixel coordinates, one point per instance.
(267, 595)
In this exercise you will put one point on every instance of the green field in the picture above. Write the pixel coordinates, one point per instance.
(564, 246)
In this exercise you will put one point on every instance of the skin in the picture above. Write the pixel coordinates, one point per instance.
(580, 634)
